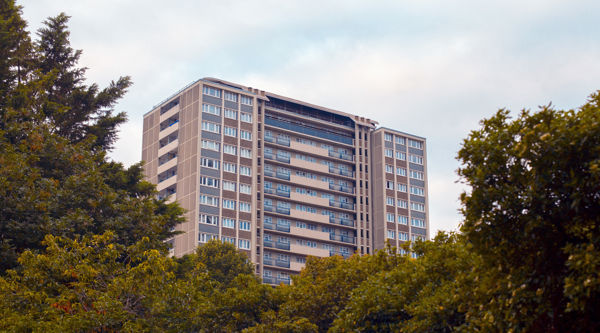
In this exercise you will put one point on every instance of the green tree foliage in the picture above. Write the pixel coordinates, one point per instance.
(534, 214)
(54, 133)
(96, 284)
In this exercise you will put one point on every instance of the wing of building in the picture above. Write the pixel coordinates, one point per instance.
(283, 179)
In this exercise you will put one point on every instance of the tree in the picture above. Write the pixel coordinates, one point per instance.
(533, 214)
(55, 177)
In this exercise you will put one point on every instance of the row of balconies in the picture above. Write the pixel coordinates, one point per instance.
(308, 165)
(331, 186)
(309, 148)
(332, 236)
(332, 202)
(276, 280)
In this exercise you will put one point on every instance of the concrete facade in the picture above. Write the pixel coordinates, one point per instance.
(283, 179)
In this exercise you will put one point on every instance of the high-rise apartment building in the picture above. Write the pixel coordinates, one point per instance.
(283, 179)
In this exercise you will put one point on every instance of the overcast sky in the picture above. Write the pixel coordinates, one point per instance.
(430, 68)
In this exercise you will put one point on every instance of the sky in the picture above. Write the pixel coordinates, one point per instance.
(429, 68)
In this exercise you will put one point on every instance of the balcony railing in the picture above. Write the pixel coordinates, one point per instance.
(283, 227)
(343, 254)
(281, 175)
(341, 221)
(346, 157)
(269, 190)
(283, 142)
(283, 158)
(283, 193)
(283, 280)
(343, 172)
(268, 208)
(341, 188)
(268, 261)
(268, 155)
(269, 139)
(282, 246)
(342, 238)
(269, 226)
(339, 204)
(269, 280)
(282, 263)
(268, 243)
(268, 173)
(283, 210)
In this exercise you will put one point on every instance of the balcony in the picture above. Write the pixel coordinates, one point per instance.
(167, 165)
(339, 204)
(283, 193)
(309, 251)
(269, 190)
(269, 139)
(268, 156)
(269, 226)
(281, 280)
(282, 175)
(283, 158)
(283, 141)
(307, 233)
(342, 238)
(312, 217)
(319, 184)
(268, 243)
(282, 263)
(343, 172)
(282, 246)
(268, 208)
(268, 279)
(345, 157)
(341, 221)
(268, 173)
(312, 166)
(343, 254)
(268, 261)
(283, 210)
(168, 130)
(169, 113)
(308, 148)
(168, 146)
(341, 188)
(282, 227)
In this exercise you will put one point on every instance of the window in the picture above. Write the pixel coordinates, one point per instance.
(399, 140)
(210, 91)
(415, 144)
(246, 189)
(230, 131)
(246, 117)
(417, 237)
(389, 153)
(228, 223)
(229, 204)
(212, 109)
(402, 204)
(391, 234)
(208, 181)
(245, 207)
(402, 187)
(245, 171)
(229, 186)
(419, 223)
(209, 200)
(390, 201)
(416, 159)
(229, 96)
(417, 175)
(229, 149)
(209, 219)
(387, 137)
(246, 100)
(401, 171)
(390, 217)
(389, 185)
(403, 236)
(245, 135)
(401, 156)
(231, 114)
(209, 163)
(203, 238)
(226, 239)
(211, 127)
(245, 225)
(417, 190)
(417, 206)
(210, 145)
(389, 168)
(245, 152)
(403, 219)
(244, 244)
(229, 167)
